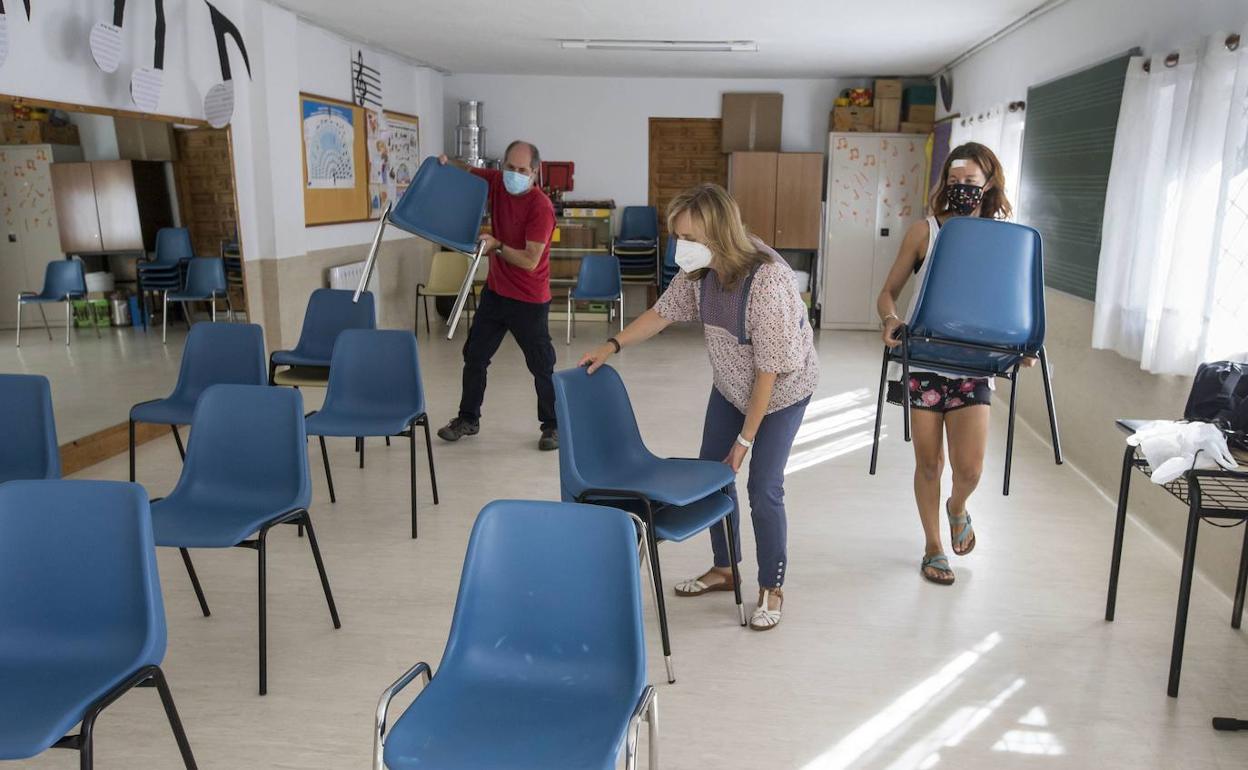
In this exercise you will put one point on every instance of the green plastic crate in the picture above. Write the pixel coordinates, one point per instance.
(82, 313)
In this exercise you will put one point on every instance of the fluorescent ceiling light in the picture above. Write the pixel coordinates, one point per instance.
(696, 46)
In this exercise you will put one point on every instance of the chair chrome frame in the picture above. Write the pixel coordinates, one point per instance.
(212, 300)
(69, 298)
(610, 309)
(177, 437)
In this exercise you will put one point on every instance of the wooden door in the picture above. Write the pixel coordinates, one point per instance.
(117, 203)
(205, 181)
(849, 254)
(799, 199)
(683, 152)
(78, 220)
(752, 182)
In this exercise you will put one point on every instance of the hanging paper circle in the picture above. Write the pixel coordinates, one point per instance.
(145, 88)
(219, 104)
(106, 46)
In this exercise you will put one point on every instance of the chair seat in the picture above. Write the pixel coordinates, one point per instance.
(216, 522)
(681, 522)
(456, 725)
(636, 243)
(672, 482)
(165, 411)
(980, 363)
(41, 299)
(41, 700)
(302, 377)
(343, 423)
(575, 294)
(181, 296)
(295, 358)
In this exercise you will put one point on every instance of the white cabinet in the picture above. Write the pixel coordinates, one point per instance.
(876, 189)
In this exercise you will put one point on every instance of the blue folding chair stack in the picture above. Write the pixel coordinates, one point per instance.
(205, 282)
(443, 204)
(81, 613)
(214, 354)
(63, 281)
(165, 271)
(603, 459)
(637, 245)
(597, 281)
(669, 267)
(29, 449)
(545, 666)
(329, 312)
(979, 313)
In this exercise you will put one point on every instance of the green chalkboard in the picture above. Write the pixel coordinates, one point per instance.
(1068, 142)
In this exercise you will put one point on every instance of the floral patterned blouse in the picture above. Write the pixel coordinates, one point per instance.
(771, 335)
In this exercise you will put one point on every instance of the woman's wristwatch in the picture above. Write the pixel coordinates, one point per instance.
(614, 342)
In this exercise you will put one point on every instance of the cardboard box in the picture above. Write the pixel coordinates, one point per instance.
(921, 113)
(887, 88)
(38, 132)
(575, 237)
(852, 119)
(908, 127)
(919, 95)
(887, 115)
(751, 122)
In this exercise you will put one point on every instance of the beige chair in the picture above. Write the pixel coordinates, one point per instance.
(446, 275)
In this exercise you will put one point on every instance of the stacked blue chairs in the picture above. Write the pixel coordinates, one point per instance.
(329, 312)
(245, 473)
(164, 272)
(637, 245)
(603, 459)
(598, 281)
(979, 313)
(669, 268)
(63, 281)
(29, 449)
(205, 282)
(569, 691)
(214, 354)
(81, 613)
(375, 390)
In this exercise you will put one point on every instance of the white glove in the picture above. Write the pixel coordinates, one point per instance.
(1172, 448)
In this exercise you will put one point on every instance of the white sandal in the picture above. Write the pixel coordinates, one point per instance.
(697, 587)
(765, 619)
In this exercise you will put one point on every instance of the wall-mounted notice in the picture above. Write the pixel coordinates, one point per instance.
(393, 157)
(335, 178)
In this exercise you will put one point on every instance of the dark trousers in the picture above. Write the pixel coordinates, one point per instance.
(529, 323)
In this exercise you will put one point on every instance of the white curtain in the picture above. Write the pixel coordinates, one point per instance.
(1001, 131)
(1168, 240)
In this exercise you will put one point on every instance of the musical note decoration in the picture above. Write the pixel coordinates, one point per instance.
(146, 82)
(105, 39)
(365, 82)
(219, 101)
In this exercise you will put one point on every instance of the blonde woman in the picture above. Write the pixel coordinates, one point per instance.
(765, 369)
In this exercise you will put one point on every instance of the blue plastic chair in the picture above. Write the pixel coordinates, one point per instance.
(669, 268)
(29, 449)
(63, 281)
(81, 612)
(245, 473)
(214, 354)
(602, 458)
(165, 271)
(329, 312)
(637, 245)
(569, 691)
(205, 281)
(374, 390)
(597, 281)
(979, 313)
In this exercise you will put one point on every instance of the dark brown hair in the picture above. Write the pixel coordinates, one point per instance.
(995, 205)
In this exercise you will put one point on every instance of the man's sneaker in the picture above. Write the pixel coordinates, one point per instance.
(457, 429)
(549, 440)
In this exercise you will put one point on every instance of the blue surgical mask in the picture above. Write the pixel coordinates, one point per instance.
(516, 183)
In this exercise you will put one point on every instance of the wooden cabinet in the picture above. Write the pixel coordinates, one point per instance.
(876, 189)
(110, 206)
(780, 195)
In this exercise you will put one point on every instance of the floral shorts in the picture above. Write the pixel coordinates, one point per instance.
(936, 393)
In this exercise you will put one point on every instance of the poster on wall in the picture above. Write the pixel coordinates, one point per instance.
(328, 142)
(393, 157)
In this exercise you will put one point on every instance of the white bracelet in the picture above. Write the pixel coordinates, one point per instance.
(742, 441)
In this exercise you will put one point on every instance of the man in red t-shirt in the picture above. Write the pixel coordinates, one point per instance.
(517, 295)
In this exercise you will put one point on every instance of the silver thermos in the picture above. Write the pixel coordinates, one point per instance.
(470, 134)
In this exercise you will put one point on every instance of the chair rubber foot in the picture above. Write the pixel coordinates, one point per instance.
(671, 670)
(741, 612)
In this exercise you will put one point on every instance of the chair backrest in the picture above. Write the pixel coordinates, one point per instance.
(329, 312)
(599, 276)
(597, 428)
(443, 204)
(524, 560)
(173, 244)
(376, 371)
(640, 222)
(78, 573)
(220, 354)
(446, 273)
(205, 277)
(64, 278)
(29, 449)
(985, 285)
(669, 255)
(248, 446)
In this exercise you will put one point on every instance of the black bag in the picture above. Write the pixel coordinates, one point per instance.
(1220, 396)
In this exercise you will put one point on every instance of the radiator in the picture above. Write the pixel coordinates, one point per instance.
(348, 277)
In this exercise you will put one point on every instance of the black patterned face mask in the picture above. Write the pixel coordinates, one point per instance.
(963, 198)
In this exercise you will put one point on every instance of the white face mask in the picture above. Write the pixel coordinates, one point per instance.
(691, 256)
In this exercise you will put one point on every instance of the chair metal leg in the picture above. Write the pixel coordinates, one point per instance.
(879, 410)
(621, 312)
(199, 591)
(1009, 435)
(68, 322)
(1048, 398)
(264, 639)
(44, 316)
(177, 439)
(147, 676)
(652, 543)
(905, 383)
(729, 532)
(1241, 582)
(411, 445)
(425, 301)
(1185, 587)
(175, 723)
(212, 303)
(1120, 525)
(19, 324)
(164, 318)
(387, 441)
(568, 341)
(95, 319)
(329, 476)
(131, 451)
(229, 306)
(652, 734)
(361, 440)
(433, 475)
(320, 570)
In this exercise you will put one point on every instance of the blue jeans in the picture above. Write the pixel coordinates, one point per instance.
(765, 485)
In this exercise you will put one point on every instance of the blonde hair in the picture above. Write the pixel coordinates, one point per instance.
(726, 236)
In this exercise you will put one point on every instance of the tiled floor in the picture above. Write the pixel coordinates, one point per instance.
(1013, 667)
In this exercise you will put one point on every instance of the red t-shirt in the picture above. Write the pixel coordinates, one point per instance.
(517, 219)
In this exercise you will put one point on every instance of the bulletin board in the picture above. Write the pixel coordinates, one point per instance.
(393, 157)
(335, 171)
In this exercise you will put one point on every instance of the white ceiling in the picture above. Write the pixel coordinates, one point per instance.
(796, 38)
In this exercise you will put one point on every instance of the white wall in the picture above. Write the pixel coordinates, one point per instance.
(601, 124)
